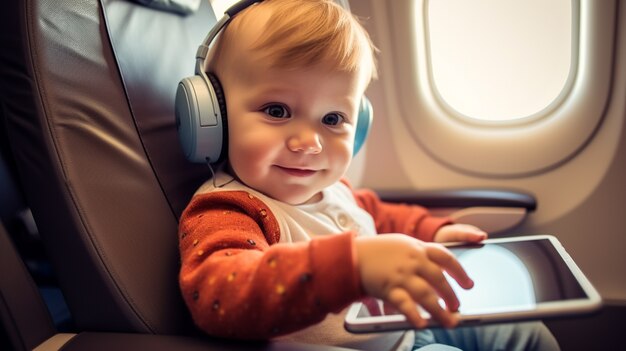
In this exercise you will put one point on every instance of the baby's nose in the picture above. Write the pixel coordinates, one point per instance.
(305, 141)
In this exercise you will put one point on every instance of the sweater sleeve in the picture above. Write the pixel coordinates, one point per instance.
(412, 220)
(239, 282)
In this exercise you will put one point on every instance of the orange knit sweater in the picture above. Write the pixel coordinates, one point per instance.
(239, 282)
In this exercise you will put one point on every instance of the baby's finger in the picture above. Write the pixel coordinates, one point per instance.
(433, 278)
(445, 318)
(444, 258)
(424, 294)
(475, 234)
(466, 233)
(402, 301)
(471, 236)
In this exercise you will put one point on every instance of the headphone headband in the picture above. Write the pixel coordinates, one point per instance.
(203, 49)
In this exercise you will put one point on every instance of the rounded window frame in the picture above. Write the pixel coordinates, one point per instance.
(511, 148)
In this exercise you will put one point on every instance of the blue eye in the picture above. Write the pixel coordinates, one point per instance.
(332, 119)
(276, 111)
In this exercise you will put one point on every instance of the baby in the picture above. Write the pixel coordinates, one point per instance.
(278, 239)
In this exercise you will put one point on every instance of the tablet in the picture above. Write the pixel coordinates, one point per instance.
(522, 278)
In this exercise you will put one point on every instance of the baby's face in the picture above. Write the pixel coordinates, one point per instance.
(291, 132)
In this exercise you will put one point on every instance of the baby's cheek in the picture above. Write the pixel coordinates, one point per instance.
(250, 154)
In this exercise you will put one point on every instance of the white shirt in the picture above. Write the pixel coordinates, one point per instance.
(337, 211)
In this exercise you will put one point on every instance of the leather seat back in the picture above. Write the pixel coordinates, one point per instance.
(87, 89)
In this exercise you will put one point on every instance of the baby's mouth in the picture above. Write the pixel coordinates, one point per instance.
(298, 172)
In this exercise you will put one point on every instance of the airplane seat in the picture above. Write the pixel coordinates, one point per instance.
(92, 138)
(87, 92)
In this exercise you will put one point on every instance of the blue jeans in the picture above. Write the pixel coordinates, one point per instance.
(506, 337)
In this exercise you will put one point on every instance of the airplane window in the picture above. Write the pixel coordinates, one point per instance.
(499, 59)
(488, 96)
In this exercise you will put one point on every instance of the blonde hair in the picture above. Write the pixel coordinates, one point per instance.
(304, 33)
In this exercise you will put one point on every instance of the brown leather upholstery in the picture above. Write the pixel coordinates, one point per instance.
(87, 90)
(23, 314)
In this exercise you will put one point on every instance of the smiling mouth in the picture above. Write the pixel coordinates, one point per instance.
(298, 172)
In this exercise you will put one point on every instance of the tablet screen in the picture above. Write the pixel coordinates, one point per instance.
(514, 276)
(508, 277)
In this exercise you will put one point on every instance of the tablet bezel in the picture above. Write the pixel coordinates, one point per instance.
(543, 310)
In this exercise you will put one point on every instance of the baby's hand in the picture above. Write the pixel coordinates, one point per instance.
(459, 232)
(407, 272)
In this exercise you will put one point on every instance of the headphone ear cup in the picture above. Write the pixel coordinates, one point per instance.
(220, 97)
(199, 120)
(364, 121)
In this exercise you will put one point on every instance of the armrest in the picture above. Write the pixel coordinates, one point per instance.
(459, 198)
(493, 210)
